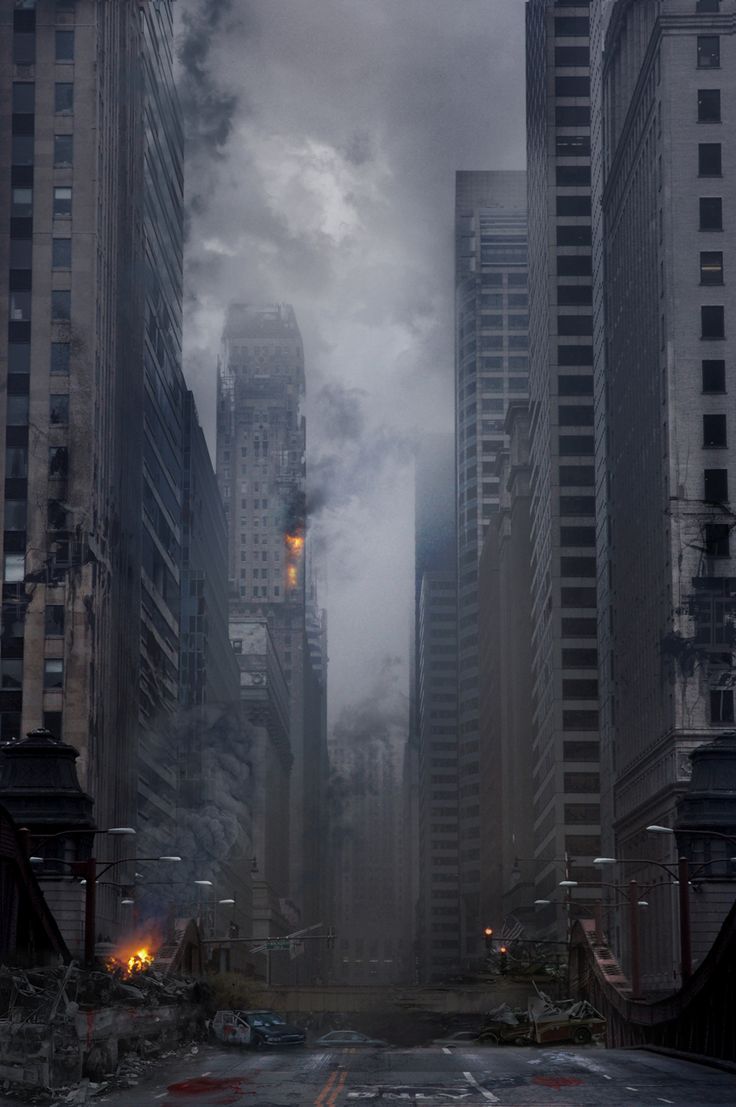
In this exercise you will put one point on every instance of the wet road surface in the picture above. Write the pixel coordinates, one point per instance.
(472, 1077)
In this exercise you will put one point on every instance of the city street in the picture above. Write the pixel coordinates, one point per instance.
(436, 1075)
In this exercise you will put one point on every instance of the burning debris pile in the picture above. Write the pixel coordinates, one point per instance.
(59, 1024)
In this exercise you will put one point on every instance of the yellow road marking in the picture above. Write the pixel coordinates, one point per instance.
(320, 1100)
(332, 1099)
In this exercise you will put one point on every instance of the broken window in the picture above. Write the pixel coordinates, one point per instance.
(717, 537)
(721, 705)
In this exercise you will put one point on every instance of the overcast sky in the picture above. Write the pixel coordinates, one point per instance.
(323, 140)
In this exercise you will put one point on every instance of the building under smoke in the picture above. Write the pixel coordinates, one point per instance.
(261, 472)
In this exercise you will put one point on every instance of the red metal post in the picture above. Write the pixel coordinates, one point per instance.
(686, 958)
(90, 911)
(635, 951)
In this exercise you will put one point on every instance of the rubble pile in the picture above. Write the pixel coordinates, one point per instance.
(60, 1024)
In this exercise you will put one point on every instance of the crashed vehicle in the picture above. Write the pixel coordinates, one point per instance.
(504, 1026)
(565, 1020)
(257, 1029)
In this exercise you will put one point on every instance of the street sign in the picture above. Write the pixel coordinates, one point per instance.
(280, 944)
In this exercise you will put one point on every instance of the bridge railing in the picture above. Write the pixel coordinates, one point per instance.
(699, 1018)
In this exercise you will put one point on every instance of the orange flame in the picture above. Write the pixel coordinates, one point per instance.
(294, 543)
(131, 958)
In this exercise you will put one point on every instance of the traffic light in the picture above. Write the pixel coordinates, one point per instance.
(503, 959)
(488, 937)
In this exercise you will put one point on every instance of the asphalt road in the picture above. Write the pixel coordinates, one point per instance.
(473, 1077)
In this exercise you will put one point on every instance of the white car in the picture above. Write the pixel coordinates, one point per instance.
(231, 1028)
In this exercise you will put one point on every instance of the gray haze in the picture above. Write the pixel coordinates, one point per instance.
(323, 136)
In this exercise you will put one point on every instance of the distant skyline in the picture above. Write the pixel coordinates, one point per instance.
(323, 142)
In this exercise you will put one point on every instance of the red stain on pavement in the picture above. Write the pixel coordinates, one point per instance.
(228, 1089)
(556, 1081)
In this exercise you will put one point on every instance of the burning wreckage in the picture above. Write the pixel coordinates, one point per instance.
(58, 1025)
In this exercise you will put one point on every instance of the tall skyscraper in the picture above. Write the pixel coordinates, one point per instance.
(261, 473)
(491, 369)
(666, 91)
(565, 692)
(90, 360)
(435, 713)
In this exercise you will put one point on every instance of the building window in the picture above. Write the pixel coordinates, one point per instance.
(63, 151)
(709, 159)
(52, 721)
(16, 411)
(62, 202)
(54, 620)
(721, 705)
(61, 253)
(22, 150)
(709, 105)
(20, 306)
(11, 674)
(21, 253)
(63, 98)
(714, 375)
(21, 202)
(16, 462)
(711, 213)
(15, 515)
(53, 673)
(714, 431)
(64, 46)
(712, 321)
(715, 486)
(24, 48)
(717, 539)
(59, 409)
(24, 97)
(711, 267)
(709, 52)
(19, 357)
(14, 569)
(58, 461)
(61, 305)
(60, 357)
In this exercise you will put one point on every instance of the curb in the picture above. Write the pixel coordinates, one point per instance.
(693, 1058)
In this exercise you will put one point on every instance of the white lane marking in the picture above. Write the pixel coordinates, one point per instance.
(208, 1073)
(535, 1062)
(628, 1089)
(607, 1077)
(446, 1049)
(665, 1100)
(161, 1096)
(489, 1096)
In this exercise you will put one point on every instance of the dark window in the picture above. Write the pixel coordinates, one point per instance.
(20, 306)
(572, 26)
(573, 176)
(54, 620)
(19, 357)
(579, 689)
(52, 722)
(711, 267)
(577, 566)
(59, 409)
(714, 376)
(574, 265)
(573, 627)
(709, 159)
(570, 295)
(15, 515)
(21, 200)
(571, 56)
(577, 476)
(572, 86)
(60, 357)
(61, 256)
(702, 6)
(573, 205)
(64, 46)
(22, 150)
(63, 150)
(21, 253)
(62, 201)
(58, 461)
(711, 213)
(712, 324)
(53, 672)
(16, 414)
(575, 386)
(579, 659)
(63, 97)
(578, 597)
(61, 304)
(56, 515)
(577, 536)
(715, 485)
(566, 116)
(577, 505)
(575, 415)
(580, 751)
(709, 105)
(24, 96)
(721, 705)
(16, 463)
(11, 673)
(717, 539)
(571, 325)
(24, 48)
(576, 445)
(575, 235)
(714, 431)
(709, 52)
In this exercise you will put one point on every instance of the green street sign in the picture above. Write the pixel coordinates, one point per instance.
(281, 944)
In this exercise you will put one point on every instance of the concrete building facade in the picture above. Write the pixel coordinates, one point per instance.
(667, 95)
(491, 368)
(565, 691)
